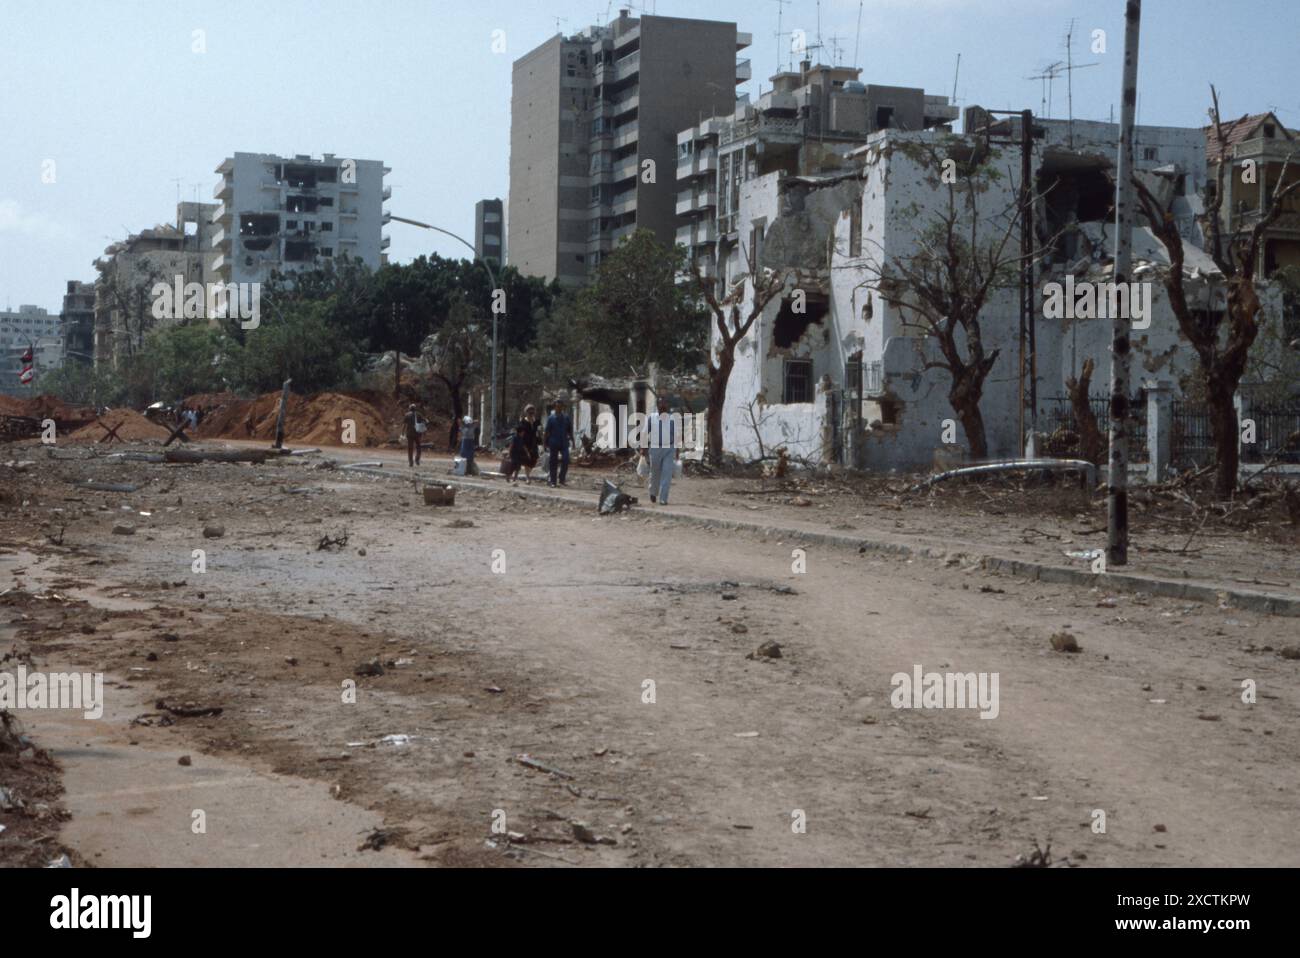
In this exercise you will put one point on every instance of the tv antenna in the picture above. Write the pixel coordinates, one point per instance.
(780, 9)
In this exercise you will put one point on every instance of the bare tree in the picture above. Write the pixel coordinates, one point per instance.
(942, 288)
(1222, 340)
(458, 354)
(731, 328)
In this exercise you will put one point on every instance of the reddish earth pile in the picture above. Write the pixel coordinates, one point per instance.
(132, 427)
(316, 419)
(43, 407)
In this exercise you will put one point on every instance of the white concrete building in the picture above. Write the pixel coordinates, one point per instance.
(808, 123)
(846, 380)
(288, 214)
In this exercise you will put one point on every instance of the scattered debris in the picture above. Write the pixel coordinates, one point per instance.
(1038, 858)
(370, 668)
(613, 499)
(528, 761)
(1065, 642)
(188, 709)
(123, 529)
(184, 760)
(768, 650)
(214, 531)
(332, 542)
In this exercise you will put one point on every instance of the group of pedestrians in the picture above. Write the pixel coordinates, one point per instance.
(556, 435)
(523, 453)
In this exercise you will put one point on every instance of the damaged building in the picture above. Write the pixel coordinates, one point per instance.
(838, 371)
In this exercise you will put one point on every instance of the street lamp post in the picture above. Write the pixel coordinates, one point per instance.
(492, 277)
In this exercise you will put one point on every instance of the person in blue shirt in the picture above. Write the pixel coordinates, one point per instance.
(559, 437)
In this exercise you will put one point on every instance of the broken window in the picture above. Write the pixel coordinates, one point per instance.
(301, 177)
(1149, 153)
(790, 325)
(259, 224)
(798, 381)
(329, 175)
(298, 251)
(884, 117)
(300, 204)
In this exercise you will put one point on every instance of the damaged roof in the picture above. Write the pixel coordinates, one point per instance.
(1238, 131)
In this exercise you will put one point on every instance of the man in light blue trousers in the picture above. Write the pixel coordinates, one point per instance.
(661, 438)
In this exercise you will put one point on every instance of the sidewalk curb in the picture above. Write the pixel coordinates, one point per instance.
(1249, 600)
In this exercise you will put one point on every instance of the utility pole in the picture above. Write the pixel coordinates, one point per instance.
(1117, 481)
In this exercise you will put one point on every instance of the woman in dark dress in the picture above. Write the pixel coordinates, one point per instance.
(529, 425)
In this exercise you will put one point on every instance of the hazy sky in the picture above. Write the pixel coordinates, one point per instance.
(113, 93)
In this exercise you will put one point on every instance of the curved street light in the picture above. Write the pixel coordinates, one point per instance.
(492, 277)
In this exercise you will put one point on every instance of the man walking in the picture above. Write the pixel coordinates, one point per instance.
(559, 437)
(662, 451)
(413, 428)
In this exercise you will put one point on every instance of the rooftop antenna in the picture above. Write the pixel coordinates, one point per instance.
(1049, 74)
(1069, 79)
(956, 73)
(558, 21)
(857, 42)
(780, 9)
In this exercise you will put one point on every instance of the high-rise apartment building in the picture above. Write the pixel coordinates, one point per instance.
(288, 214)
(78, 320)
(593, 134)
(490, 231)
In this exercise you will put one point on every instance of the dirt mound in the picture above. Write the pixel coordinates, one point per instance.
(44, 407)
(132, 427)
(316, 419)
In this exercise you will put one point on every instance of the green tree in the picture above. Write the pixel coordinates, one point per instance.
(637, 310)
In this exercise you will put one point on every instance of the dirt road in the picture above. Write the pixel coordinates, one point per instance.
(614, 651)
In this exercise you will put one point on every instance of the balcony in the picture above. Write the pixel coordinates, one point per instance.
(626, 169)
(628, 66)
(224, 190)
(744, 72)
(625, 135)
(386, 218)
(385, 242)
(623, 232)
(744, 40)
(625, 105)
(219, 263)
(623, 204)
(224, 215)
(685, 203)
(387, 193)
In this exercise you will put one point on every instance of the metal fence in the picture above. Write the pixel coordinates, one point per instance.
(1191, 443)
(1276, 432)
(1060, 416)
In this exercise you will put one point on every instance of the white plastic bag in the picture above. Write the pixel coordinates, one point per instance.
(458, 466)
(642, 467)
